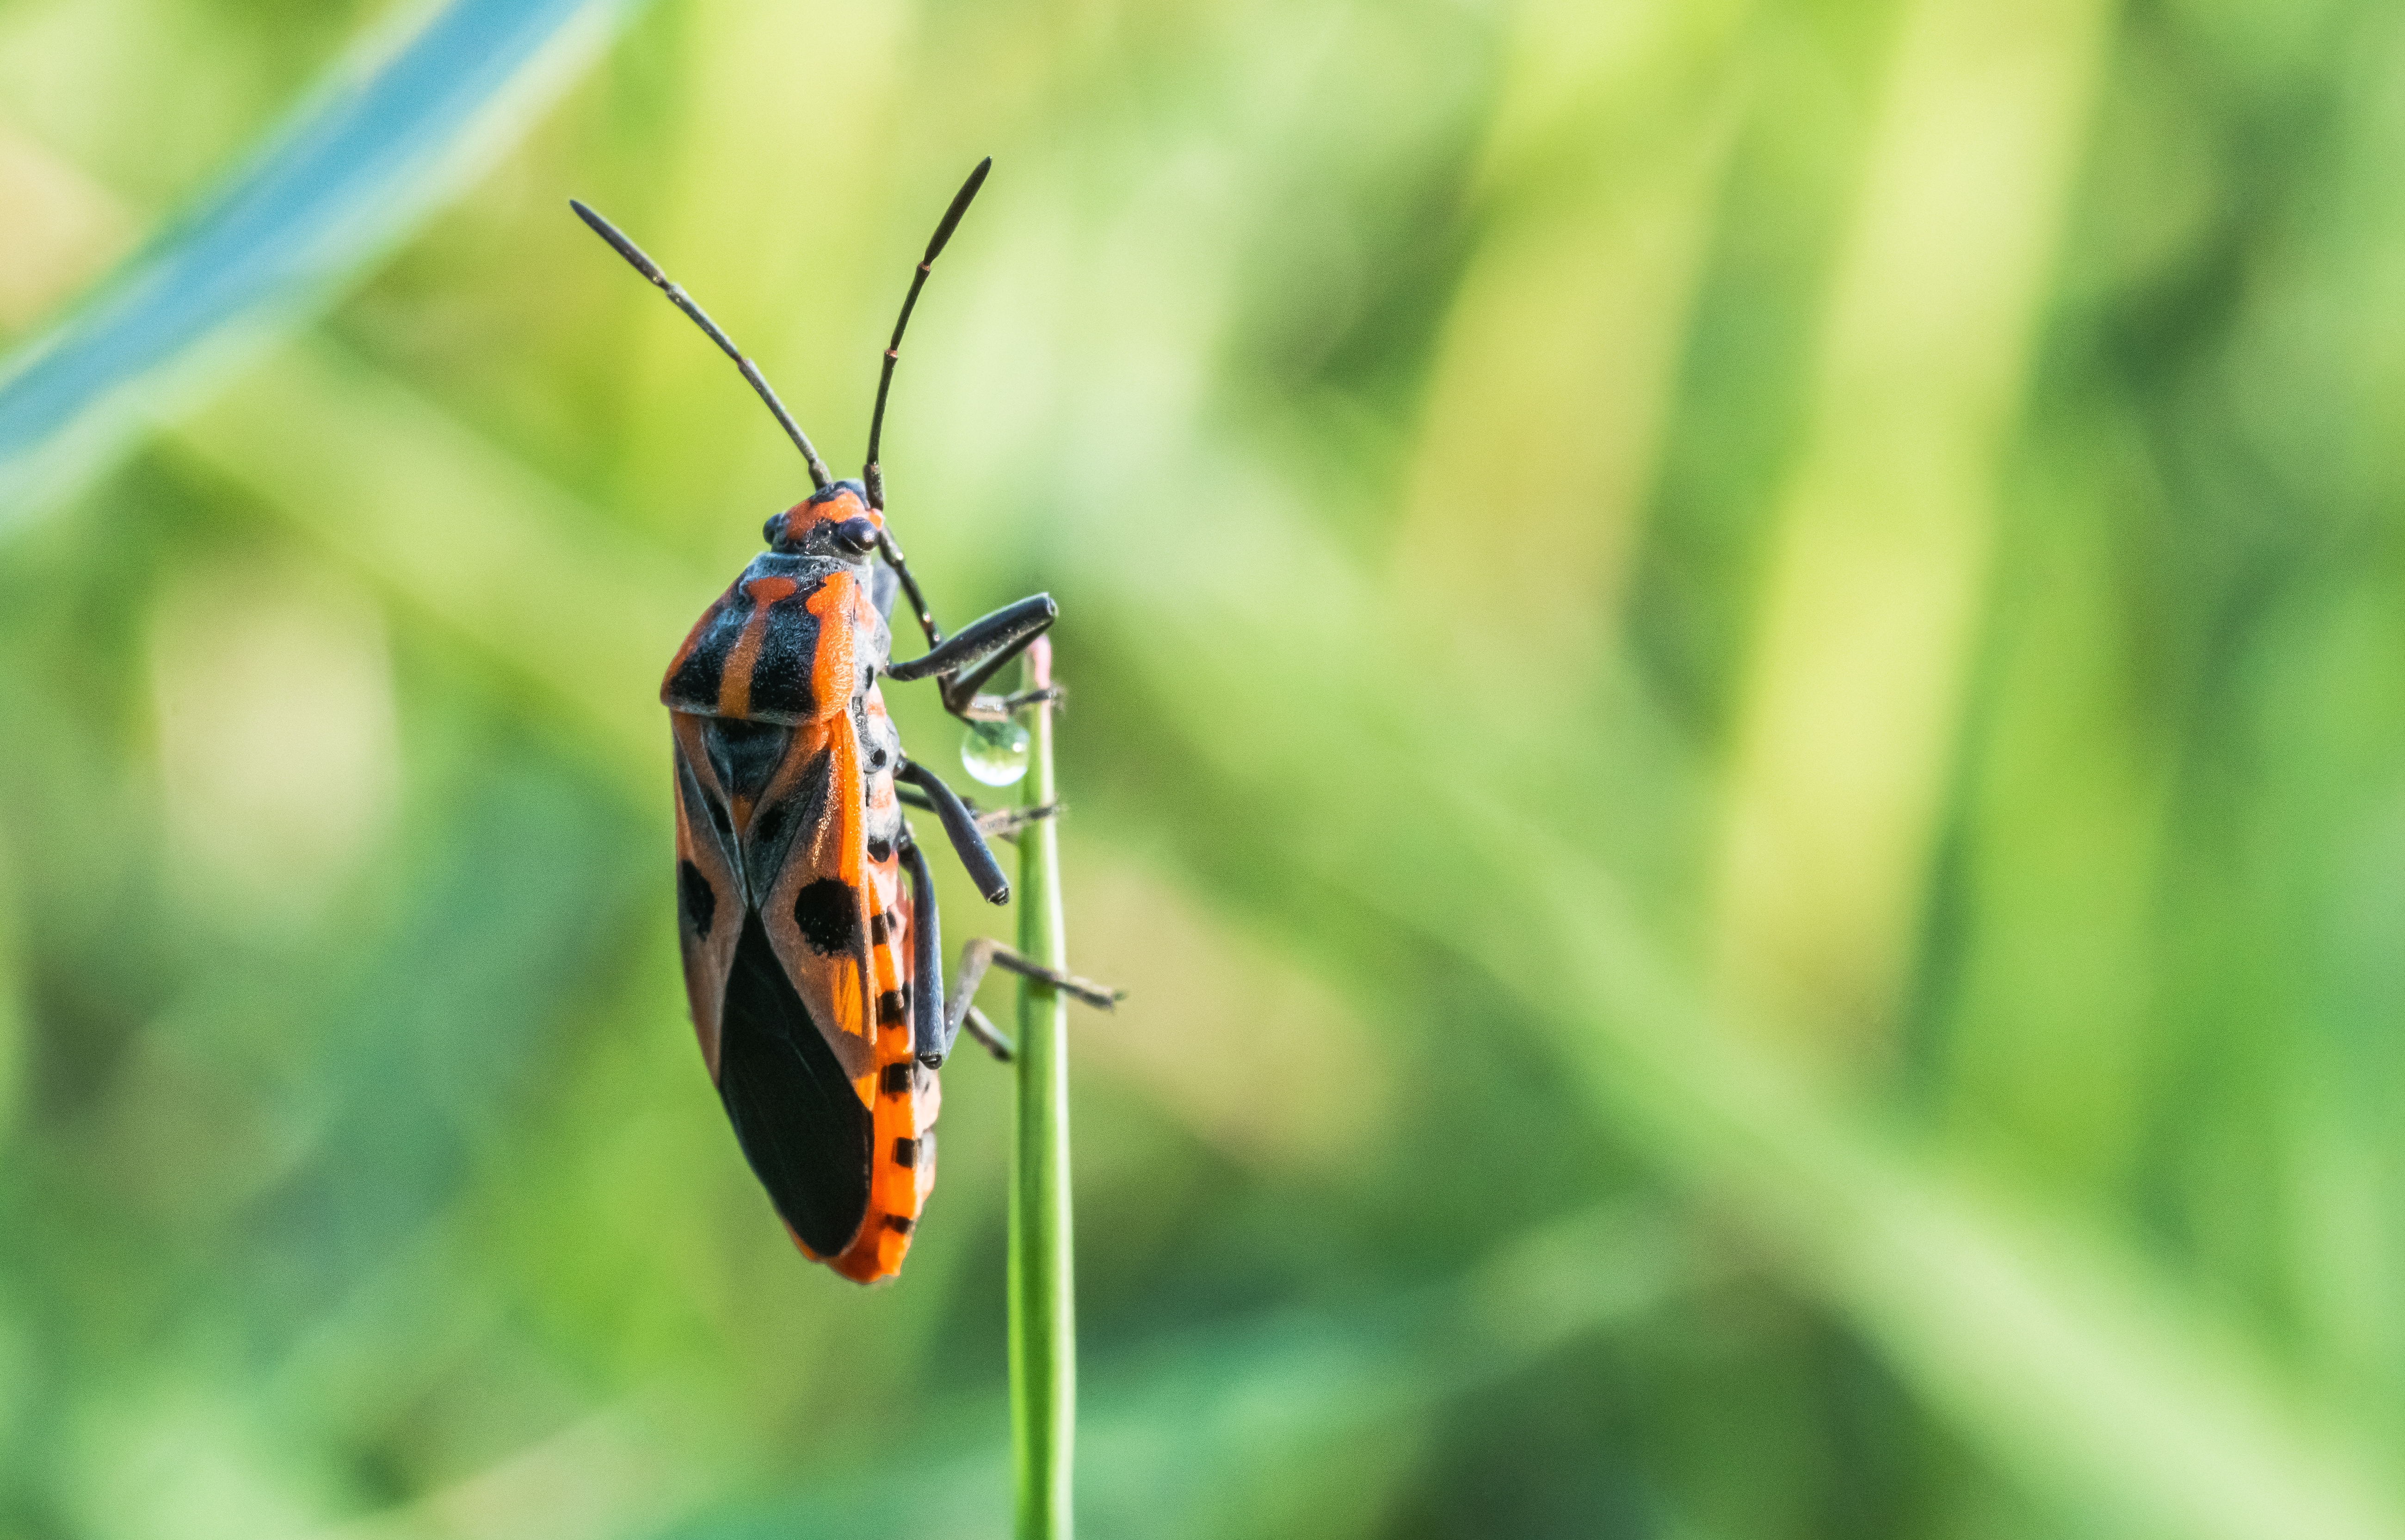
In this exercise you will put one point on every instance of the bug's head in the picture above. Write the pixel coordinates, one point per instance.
(838, 523)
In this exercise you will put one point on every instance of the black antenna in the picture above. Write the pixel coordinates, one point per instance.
(871, 473)
(649, 268)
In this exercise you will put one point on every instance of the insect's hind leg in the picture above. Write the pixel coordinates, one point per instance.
(933, 1026)
(983, 952)
(973, 1022)
(974, 653)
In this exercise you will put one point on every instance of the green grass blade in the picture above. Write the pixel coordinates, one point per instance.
(390, 135)
(1042, 1296)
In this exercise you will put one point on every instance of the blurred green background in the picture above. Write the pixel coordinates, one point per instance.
(1739, 720)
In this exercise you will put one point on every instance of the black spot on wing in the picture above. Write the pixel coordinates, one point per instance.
(893, 1008)
(895, 1080)
(804, 806)
(827, 912)
(695, 898)
(803, 1130)
(764, 843)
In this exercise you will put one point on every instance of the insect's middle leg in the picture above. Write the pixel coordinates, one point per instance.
(961, 827)
(995, 822)
(927, 1040)
(934, 1026)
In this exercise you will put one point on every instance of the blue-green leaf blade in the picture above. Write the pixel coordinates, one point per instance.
(392, 132)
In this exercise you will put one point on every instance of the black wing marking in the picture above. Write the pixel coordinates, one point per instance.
(801, 1125)
(709, 888)
(815, 905)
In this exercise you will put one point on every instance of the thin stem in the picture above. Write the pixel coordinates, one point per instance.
(1043, 1304)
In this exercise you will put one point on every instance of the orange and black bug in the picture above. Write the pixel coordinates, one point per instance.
(817, 990)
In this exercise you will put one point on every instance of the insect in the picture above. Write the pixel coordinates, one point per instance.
(815, 981)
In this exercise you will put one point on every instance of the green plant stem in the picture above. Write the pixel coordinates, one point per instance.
(1043, 1303)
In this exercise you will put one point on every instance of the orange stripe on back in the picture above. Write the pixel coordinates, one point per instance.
(735, 680)
(835, 670)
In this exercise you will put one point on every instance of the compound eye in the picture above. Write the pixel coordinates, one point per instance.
(773, 531)
(857, 535)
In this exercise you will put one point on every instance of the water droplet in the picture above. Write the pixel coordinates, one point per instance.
(995, 752)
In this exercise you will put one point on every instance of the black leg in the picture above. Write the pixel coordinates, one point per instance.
(932, 1040)
(1010, 706)
(929, 1041)
(992, 822)
(1006, 822)
(983, 952)
(962, 827)
(971, 655)
(973, 1021)
(934, 1029)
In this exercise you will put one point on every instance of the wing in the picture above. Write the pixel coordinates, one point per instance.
(710, 895)
(806, 861)
(798, 1114)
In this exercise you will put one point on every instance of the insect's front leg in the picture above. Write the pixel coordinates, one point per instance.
(974, 653)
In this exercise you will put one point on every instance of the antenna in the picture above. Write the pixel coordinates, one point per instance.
(871, 473)
(649, 268)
